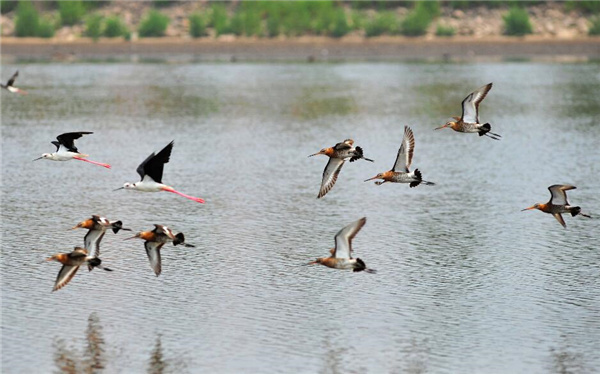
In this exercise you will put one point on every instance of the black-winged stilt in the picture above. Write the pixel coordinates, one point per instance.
(66, 150)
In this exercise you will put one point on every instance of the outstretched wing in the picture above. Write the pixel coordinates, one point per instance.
(11, 81)
(405, 153)
(470, 105)
(154, 164)
(68, 139)
(330, 174)
(66, 273)
(153, 252)
(92, 241)
(343, 239)
(559, 196)
(560, 219)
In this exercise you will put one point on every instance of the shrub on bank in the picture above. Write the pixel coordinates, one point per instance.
(595, 27)
(70, 12)
(114, 27)
(340, 24)
(516, 22)
(8, 6)
(442, 30)
(93, 26)
(416, 21)
(219, 20)
(197, 25)
(154, 24)
(46, 28)
(383, 23)
(592, 6)
(27, 21)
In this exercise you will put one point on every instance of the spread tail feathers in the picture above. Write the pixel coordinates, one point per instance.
(577, 211)
(485, 130)
(179, 239)
(359, 154)
(419, 180)
(116, 226)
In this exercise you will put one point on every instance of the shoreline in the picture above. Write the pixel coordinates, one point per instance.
(304, 48)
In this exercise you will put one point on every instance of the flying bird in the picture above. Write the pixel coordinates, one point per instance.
(151, 171)
(341, 255)
(469, 120)
(338, 154)
(154, 241)
(9, 85)
(400, 172)
(71, 263)
(97, 227)
(558, 204)
(66, 150)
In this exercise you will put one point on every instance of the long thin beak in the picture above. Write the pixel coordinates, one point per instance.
(120, 188)
(441, 127)
(133, 237)
(531, 207)
(311, 263)
(74, 227)
(370, 179)
(39, 158)
(316, 154)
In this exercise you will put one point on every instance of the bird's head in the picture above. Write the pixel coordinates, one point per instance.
(45, 155)
(324, 151)
(448, 124)
(534, 206)
(87, 224)
(127, 186)
(378, 176)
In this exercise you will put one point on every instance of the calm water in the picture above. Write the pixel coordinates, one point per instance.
(466, 282)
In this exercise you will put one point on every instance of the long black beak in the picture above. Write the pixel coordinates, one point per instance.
(39, 158)
(120, 188)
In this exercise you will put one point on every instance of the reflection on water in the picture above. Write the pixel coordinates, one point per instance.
(466, 283)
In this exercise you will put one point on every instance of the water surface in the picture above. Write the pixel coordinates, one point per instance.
(466, 282)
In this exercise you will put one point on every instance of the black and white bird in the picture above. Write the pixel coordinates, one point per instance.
(154, 241)
(66, 150)
(151, 171)
(9, 85)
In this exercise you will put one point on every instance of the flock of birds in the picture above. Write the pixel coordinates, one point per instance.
(341, 256)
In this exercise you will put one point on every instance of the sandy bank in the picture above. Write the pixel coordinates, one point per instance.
(304, 48)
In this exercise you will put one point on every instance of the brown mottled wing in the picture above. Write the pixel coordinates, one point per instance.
(559, 196)
(153, 252)
(66, 273)
(330, 174)
(343, 239)
(560, 219)
(405, 153)
(470, 105)
(11, 81)
(164, 230)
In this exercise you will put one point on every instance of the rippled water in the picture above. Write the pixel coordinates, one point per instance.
(466, 282)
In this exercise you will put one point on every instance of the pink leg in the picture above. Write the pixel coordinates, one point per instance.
(92, 162)
(196, 199)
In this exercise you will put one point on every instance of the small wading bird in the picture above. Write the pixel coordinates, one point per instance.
(469, 120)
(9, 85)
(71, 263)
(155, 239)
(558, 204)
(151, 171)
(97, 227)
(66, 150)
(341, 255)
(400, 172)
(338, 154)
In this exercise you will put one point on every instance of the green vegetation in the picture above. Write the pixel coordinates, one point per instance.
(70, 12)
(93, 26)
(162, 3)
(7, 6)
(442, 30)
(27, 21)
(219, 19)
(340, 24)
(418, 20)
(590, 6)
(154, 24)
(383, 23)
(114, 27)
(595, 27)
(516, 22)
(197, 25)
(45, 28)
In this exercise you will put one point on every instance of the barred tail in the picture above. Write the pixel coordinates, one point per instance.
(485, 129)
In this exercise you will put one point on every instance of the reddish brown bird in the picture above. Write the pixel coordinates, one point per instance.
(469, 120)
(400, 173)
(71, 263)
(338, 154)
(558, 204)
(341, 255)
(97, 227)
(155, 240)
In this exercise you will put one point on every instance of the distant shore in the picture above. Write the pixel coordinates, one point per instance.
(304, 48)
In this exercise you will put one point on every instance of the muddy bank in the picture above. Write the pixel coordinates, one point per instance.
(304, 48)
